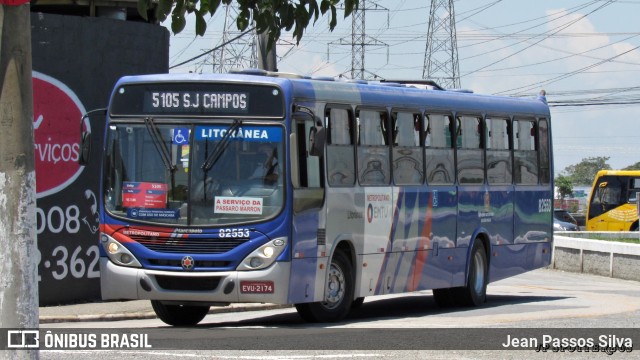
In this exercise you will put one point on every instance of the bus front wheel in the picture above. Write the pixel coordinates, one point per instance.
(179, 315)
(338, 293)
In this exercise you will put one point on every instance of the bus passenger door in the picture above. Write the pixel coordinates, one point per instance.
(308, 240)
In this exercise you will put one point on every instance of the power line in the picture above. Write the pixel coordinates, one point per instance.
(562, 77)
(556, 30)
(214, 49)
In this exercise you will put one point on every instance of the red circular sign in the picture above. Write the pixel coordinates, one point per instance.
(57, 113)
(13, 2)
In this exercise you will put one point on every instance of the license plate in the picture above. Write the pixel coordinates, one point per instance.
(256, 287)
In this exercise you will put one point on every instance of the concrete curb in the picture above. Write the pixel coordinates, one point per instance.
(51, 319)
(599, 257)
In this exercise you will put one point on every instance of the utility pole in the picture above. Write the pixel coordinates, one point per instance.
(18, 251)
(441, 54)
(267, 59)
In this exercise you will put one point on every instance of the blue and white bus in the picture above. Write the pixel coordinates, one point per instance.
(273, 188)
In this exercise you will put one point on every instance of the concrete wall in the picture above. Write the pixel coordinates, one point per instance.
(574, 252)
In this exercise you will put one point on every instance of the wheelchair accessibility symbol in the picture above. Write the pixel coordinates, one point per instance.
(180, 136)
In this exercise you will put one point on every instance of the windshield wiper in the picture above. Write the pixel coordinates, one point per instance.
(221, 147)
(156, 136)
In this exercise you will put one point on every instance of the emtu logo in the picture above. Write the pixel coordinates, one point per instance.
(370, 213)
(57, 112)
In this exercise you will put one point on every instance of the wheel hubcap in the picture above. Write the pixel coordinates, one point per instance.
(478, 284)
(335, 287)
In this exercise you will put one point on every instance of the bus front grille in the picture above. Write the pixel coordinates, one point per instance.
(189, 245)
(199, 264)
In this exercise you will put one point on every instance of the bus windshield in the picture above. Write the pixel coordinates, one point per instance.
(192, 174)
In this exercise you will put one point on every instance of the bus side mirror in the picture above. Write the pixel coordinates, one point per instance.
(85, 148)
(316, 141)
(85, 137)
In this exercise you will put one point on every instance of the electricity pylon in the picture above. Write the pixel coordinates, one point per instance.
(441, 54)
(241, 53)
(360, 40)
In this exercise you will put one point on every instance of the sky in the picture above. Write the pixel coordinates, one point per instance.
(582, 53)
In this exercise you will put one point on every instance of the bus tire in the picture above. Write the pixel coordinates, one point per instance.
(338, 293)
(475, 292)
(179, 315)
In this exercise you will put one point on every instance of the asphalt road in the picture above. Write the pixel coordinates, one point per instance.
(531, 306)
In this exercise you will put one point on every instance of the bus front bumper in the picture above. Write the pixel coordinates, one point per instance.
(270, 285)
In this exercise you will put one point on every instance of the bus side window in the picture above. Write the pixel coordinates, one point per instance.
(498, 153)
(373, 153)
(407, 151)
(308, 190)
(524, 152)
(340, 161)
(470, 159)
(438, 150)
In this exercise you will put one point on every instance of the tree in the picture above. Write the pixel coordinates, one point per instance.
(635, 166)
(585, 171)
(564, 185)
(270, 16)
(18, 254)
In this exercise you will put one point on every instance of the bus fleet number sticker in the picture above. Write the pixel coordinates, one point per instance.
(234, 233)
(544, 205)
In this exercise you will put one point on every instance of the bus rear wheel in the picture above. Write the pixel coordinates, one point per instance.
(475, 292)
(338, 293)
(179, 315)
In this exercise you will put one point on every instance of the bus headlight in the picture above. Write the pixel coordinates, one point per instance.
(264, 256)
(117, 253)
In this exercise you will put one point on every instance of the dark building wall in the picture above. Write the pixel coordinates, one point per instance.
(90, 54)
(76, 62)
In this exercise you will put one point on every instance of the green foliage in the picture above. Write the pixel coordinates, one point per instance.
(573, 208)
(269, 16)
(585, 171)
(564, 185)
(635, 166)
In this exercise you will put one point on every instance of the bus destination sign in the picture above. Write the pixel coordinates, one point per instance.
(226, 102)
(198, 99)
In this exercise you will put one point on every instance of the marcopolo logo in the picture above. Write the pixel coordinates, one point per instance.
(57, 112)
